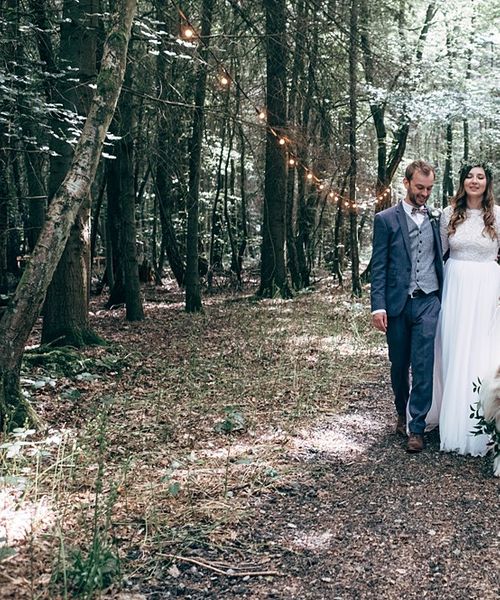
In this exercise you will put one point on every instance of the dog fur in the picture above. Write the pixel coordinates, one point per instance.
(490, 403)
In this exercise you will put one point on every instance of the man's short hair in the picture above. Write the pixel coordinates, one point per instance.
(419, 165)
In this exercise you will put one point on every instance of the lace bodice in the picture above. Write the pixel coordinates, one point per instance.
(469, 242)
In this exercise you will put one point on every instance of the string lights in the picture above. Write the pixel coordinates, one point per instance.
(189, 34)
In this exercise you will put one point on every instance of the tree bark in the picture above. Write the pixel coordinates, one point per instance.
(448, 167)
(168, 155)
(293, 112)
(66, 318)
(353, 104)
(22, 312)
(193, 288)
(128, 235)
(273, 276)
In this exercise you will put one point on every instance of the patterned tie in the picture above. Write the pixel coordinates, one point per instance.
(419, 211)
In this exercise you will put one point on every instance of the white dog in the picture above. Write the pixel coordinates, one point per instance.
(490, 402)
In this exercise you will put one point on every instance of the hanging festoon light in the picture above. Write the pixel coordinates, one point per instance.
(226, 81)
(188, 33)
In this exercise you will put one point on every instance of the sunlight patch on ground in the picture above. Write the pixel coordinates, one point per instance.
(19, 518)
(328, 343)
(22, 509)
(343, 434)
(312, 540)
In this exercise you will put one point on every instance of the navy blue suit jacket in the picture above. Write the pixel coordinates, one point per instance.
(391, 260)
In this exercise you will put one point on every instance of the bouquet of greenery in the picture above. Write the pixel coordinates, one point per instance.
(484, 425)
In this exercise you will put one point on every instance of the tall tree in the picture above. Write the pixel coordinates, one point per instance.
(23, 310)
(388, 159)
(273, 275)
(353, 167)
(66, 319)
(168, 133)
(294, 105)
(193, 288)
(128, 235)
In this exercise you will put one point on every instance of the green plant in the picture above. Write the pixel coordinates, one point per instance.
(85, 573)
(82, 572)
(483, 426)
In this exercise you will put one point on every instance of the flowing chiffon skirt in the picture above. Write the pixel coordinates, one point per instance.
(467, 350)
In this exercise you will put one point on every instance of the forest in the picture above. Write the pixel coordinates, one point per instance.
(187, 195)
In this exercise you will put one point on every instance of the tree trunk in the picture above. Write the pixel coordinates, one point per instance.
(388, 162)
(216, 246)
(4, 217)
(293, 111)
(128, 234)
(306, 200)
(114, 258)
(448, 167)
(229, 188)
(242, 223)
(66, 319)
(273, 279)
(22, 312)
(167, 157)
(353, 81)
(193, 288)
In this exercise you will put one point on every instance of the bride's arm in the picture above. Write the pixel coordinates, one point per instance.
(443, 230)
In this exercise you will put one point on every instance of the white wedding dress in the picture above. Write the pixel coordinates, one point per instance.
(468, 335)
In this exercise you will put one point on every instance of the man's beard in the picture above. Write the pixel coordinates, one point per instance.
(413, 200)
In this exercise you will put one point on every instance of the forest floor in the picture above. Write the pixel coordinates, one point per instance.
(244, 452)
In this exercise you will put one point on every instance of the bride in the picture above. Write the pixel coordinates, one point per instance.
(467, 345)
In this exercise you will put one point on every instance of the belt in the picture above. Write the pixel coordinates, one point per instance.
(421, 294)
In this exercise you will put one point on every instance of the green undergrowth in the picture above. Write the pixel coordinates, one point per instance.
(69, 361)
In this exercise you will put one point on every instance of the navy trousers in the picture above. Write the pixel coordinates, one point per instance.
(410, 338)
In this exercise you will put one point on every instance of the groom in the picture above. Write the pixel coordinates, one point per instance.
(407, 274)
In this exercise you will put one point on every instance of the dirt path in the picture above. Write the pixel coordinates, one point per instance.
(362, 519)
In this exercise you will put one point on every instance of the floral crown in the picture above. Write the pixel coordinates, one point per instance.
(467, 165)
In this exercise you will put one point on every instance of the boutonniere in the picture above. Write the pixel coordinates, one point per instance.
(434, 214)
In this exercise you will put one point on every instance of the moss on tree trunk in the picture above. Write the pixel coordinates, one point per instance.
(15, 409)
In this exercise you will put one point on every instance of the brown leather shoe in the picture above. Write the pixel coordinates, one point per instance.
(401, 425)
(415, 443)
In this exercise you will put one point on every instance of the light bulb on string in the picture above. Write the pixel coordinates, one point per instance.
(188, 33)
(225, 80)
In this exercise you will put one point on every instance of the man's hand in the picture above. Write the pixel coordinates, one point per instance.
(379, 321)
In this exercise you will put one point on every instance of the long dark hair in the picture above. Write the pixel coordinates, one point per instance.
(459, 200)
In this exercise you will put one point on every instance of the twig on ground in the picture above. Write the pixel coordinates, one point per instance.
(230, 572)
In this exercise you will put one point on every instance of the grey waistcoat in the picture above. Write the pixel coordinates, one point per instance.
(423, 271)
